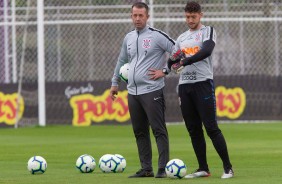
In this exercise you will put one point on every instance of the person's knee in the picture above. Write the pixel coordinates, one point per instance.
(159, 132)
(141, 132)
(213, 132)
(195, 132)
(212, 128)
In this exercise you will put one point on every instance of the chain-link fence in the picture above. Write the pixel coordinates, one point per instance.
(83, 38)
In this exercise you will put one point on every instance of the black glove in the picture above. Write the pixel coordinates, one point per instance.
(177, 67)
(175, 58)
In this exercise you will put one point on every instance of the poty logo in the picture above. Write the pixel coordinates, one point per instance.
(146, 43)
(231, 102)
(88, 108)
(9, 104)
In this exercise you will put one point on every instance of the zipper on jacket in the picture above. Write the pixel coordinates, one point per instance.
(136, 61)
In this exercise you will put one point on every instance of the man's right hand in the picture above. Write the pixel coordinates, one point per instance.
(113, 92)
(177, 67)
(175, 58)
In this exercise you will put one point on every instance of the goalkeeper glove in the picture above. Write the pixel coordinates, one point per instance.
(177, 67)
(175, 58)
(177, 55)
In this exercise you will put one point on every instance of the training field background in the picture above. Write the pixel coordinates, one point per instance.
(255, 151)
(81, 42)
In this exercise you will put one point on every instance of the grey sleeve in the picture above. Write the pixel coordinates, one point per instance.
(209, 34)
(176, 47)
(122, 59)
(167, 44)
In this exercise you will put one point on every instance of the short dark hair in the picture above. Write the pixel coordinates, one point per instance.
(141, 5)
(193, 7)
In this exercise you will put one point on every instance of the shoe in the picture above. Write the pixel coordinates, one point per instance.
(142, 173)
(161, 173)
(198, 173)
(229, 173)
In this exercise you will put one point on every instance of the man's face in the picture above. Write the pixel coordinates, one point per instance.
(193, 20)
(139, 17)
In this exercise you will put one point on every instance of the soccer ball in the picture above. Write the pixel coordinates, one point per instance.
(175, 168)
(85, 163)
(123, 72)
(37, 165)
(122, 165)
(109, 163)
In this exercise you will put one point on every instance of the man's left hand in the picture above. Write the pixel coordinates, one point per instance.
(177, 67)
(155, 74)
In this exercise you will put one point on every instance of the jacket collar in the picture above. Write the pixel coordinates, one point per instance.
(143, 30)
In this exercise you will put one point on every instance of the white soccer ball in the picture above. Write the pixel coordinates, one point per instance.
(175, 168)
(37, 165)
(122, 165)
(123, 72)
(85, 163)
(109, 163)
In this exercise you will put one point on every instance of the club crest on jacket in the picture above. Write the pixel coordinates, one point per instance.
(146, 43)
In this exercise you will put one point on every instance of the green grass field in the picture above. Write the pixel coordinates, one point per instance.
(255, 151)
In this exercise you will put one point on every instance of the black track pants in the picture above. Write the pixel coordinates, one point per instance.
(149, 110)
(198, 107)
